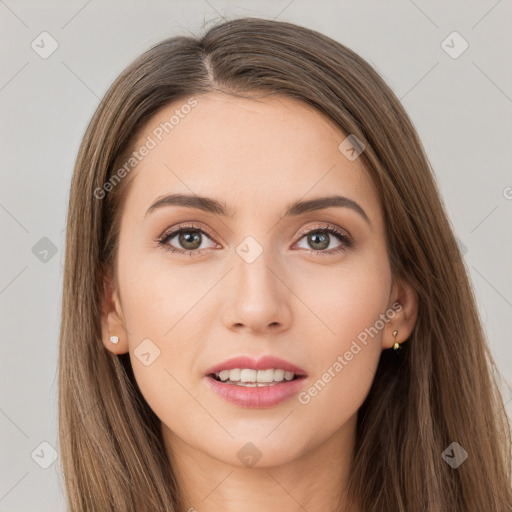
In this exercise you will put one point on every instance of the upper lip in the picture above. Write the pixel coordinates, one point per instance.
(263, 363)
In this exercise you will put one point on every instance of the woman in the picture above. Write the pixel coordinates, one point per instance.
(264, 304)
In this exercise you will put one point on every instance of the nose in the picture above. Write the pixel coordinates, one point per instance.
(258, 295)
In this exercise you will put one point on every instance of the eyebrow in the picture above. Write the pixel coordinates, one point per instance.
(216, 207)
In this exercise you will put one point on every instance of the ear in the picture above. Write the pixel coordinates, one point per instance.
(112, 321)
(404, 302)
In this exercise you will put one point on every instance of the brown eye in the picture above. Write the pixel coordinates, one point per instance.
(319, 239)
(189, 240)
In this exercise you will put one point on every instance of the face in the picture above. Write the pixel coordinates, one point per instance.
(306, 286)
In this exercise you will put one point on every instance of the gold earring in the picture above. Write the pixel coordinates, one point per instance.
(114, 339)
(396, 346)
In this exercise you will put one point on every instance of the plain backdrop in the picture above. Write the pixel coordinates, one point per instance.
(459, 101)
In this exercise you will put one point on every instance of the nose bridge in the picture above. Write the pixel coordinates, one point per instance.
(258, 295)
(255, 265)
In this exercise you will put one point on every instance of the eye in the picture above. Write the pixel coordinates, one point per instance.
(189, 237)
(320, 239)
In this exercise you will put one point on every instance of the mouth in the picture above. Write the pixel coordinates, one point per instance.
(247, 382)
(251, 378)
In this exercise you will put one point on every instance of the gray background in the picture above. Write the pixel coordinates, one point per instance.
(460, 106)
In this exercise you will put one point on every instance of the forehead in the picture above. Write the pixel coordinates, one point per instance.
(252, 154)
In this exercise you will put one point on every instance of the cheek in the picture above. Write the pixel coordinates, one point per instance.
(162, 346)
(343, 299)
(349, 302)
(158, 296)
(163, 307)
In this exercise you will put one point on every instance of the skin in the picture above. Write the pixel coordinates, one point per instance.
(256, 156)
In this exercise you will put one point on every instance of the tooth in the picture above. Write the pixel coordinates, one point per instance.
(265, 376)
(247, 375)
(234, 375)
(244, 375)
(279, 375)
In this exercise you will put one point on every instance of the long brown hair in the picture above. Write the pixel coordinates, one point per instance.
(443, 389)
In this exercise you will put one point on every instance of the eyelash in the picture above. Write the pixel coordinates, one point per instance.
(347, 243)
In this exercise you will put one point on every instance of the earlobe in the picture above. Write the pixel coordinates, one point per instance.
(113, 332)
(402, 324)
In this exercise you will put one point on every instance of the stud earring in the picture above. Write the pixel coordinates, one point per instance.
(114, 339)
(396, 346)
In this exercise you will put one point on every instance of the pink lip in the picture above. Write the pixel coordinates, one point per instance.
(264, 363)
(256, 397)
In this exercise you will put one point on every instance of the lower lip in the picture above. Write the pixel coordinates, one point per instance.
(256, 397)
